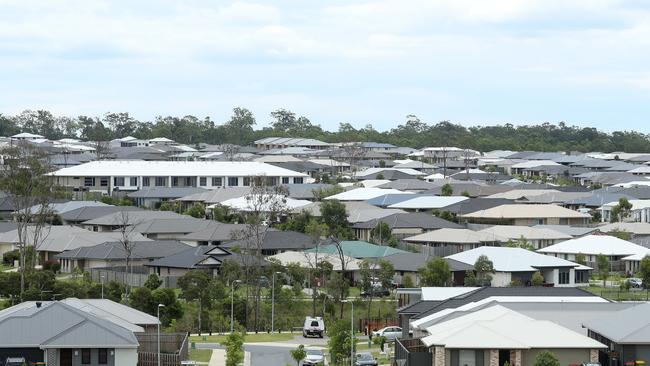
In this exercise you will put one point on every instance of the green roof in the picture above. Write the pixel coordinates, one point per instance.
(358, 249)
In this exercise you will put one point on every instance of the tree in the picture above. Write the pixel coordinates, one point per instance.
(127, 229)
(375, 273)
(196, 286)
(334, 215)
(31, 192)
(234, 351)
(173, 309)
(446, 190)
(537, 279)
(522, 243)
(298, 354)
(317, 231)
(470, 279)
(581, 259)
(114, 291)
(484, 269)
(621, 210)
(407, 281)
(546, 358)
(435, 273)
(602, 263)
(196, 210)
(644, 271)
(153, 282)
(340, 341)
(140, 298)
(381, 233)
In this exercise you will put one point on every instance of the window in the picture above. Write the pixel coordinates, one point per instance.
(285, 180)
(216, 182)
(297, 180)
(89, 182)
(564, 277)
(118, 181)
(203, 181)
(233, 181)
(174, 181)
(187, 181)
(271, 181)
(85, 356)
(247, 181)
(103, 181)
(133, 181)
(161, 181)
(102, 356)
(146, 182)
(564, 221)
(467, 357)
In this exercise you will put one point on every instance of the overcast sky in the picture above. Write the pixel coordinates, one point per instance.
(468, 61)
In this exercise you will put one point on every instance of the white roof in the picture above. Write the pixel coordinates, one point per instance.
(514, 211)
(636, 204)
(485, 329)
(533, 164)
(428, 202)
(518, 193)
(506, 259)
(329, 162)
(117, 313)
(532, 233)
(175, 168)
(371, 171)
(371, 183)
(243, 204)
(308, 260)
(161, 139)
(596, 244)
(27, 135)
(427, 320)
(435, 176)
(444, 293)
(460, 236)
(644, 169)
(638, 228)
(363, 194)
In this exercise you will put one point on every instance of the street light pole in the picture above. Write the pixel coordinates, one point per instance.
(351, 334)
(158, 315)
(232, 305)
(273, 302)
(102, 281)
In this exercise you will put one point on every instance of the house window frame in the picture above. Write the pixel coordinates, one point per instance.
(86, 356)
(203, 181)
(102, 356)
(118, 181)
(217, 181)
(231, 180)
(103, 181)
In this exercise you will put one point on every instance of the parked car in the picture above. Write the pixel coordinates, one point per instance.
(313, 327)
(365, 359)
(15, 361)
(635, 282)
(590, 364)
(390, 333)
(376, 292)
(314, 357)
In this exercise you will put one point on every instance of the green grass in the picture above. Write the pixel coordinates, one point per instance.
(616, 294)
(4, 267)
(260, 337)
(200, 355)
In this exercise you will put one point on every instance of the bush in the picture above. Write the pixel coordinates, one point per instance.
(52, 265)
(9, 257)
(546, 358)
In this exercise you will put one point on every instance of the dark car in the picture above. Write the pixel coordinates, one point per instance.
(376, 292)
(365, 359)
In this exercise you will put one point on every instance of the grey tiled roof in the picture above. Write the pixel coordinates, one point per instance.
(409, 220)
(89, 213)
(278, 240)
(165, 192)
(189, 258)
(115, 251)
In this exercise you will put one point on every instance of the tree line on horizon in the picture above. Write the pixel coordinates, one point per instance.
(240, 129)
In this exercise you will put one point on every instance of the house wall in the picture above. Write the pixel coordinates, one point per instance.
(5, 247)
(94, 358)
(501, 279)
(126, 357)
(565, 356)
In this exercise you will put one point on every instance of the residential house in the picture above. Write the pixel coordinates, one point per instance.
(512, 214)
(403, 225)
(153, 197)
(445, 241)
(272, 242)
(204, 257)
(517, 266)
(533, 236)
(427, 203)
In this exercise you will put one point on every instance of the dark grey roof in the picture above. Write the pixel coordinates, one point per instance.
(575, 231)
(278, 240)
(82, 214)
(389, 174)
(409, 220)
(411, 262)
(485, 292)
(58, 325)
(408, 184)
(165, 192)
(299, 166)
(7, 226)
(305, 191)
(193, 257)
(221, 232)
(115, 251)
(418, 307)
(597, 199)
(629, 326)
(476, 204)
(183, 224)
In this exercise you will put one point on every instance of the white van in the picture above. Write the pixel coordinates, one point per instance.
(313, 327)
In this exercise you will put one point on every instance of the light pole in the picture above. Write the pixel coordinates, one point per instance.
(158, 313)
(273, 302)
(232, 305)
(102, 281)
(351, 331)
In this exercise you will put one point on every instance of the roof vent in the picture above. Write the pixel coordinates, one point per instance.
(38, 304)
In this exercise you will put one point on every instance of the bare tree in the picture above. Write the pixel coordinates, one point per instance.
(265, 205)
(230, 151)
(127, 228)
(102, 149)
(25, 178)
(353, 153)
(317, 232)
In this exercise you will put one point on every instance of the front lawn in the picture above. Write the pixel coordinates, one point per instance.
(200, 355)
(617, 294)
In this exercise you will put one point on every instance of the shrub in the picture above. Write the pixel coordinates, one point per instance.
(9, 257)
(52, 265)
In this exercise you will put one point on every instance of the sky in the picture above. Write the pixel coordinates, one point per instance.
(473, 62)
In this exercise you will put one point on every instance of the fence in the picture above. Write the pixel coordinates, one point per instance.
(137, 277)
(173, 349)
(412, 352)
(377, 323)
